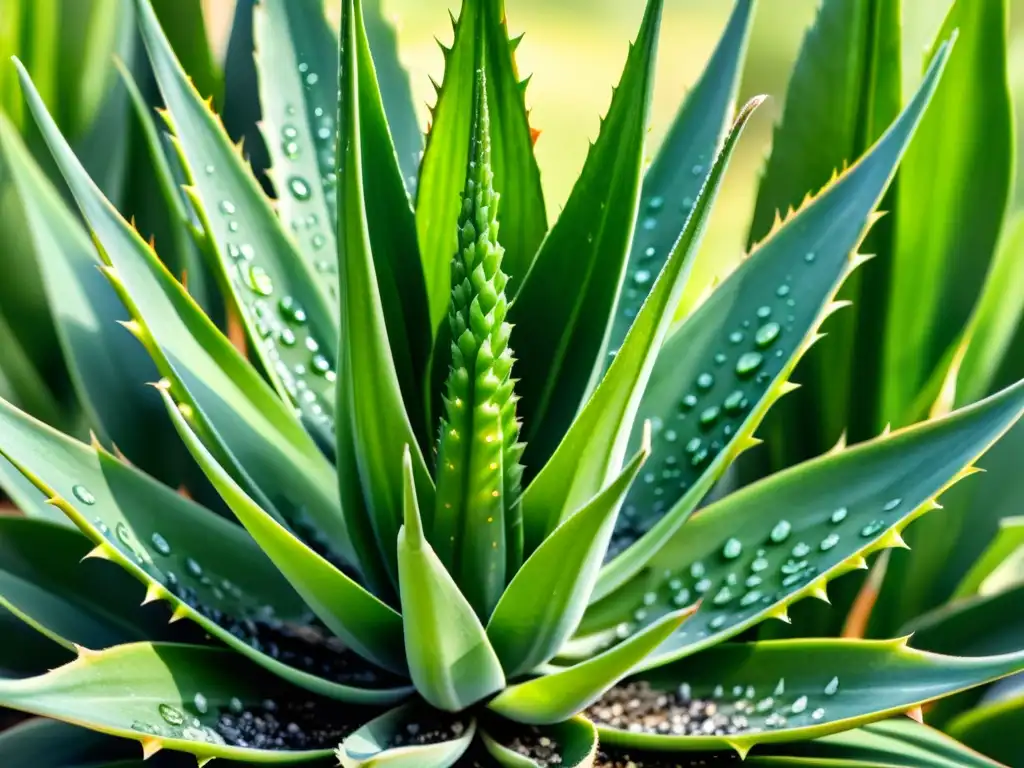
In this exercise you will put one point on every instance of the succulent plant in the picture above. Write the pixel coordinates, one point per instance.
(463, 451)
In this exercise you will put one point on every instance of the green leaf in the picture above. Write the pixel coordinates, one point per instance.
(108, 368)
(244, 423)
(451, 660)
(560, 695)
(896, 743)
(826, 516)
(809, 688)
(51, 744)
(369, 391)
(396, 93)
(574, 741)
(526, 632)
(1007, 546)
(287, 313)
(973, 626)
(364, 623)
(481, 42)
(673, 182)
(993, 728)
(592, 451)
(27, 498)
(44, 582)
(568, 334)
(845, 89)
(383, 742)
(25, 652)
(720, 372)
(148, 692)
(185, 26)
(204, 567)
(939, 265)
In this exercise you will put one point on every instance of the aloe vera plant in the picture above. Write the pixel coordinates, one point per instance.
(462, 450)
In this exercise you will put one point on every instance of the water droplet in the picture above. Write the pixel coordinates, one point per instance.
(193, 567)
(321, 364)
(160, 544)
(801, 550)
(760, 564)
(292, 310)
(227, 207)
(810, 256)
(697, 570)
(782, 291)
(318, 241)
(172, 715)
(299, 188)
(681, 598)
(649, 252)
(83, 494)
(697, 169)
(642, 276)
(290, 149)
(312, 78)
(891, 504)
(287, 337)
(289, 131)
(833, 687)
(734, 403)
(753, 581)
(142, 727)
(687, 203)
(750, 598)
(720, 358)
(209, 170)
(670, 437)
(732, 549)
(702, 586)
(201, 704)
(766, 334)
(709, 415)
(656, 203)
(839, 515)
(780, 532)
(694, 445)
(650, 223)
(235, 706)
(123, 534)
(259, 281)
(688, 402)
(718, 622)
(818, 714)
(829, 541)
(748, 363)
(799, 705)
(623, 630)
(780, 688)
(872, 528)
(735, 337)
(705, 381)
(763, 313)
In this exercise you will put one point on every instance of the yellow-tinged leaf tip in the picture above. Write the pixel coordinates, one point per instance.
(150, 746)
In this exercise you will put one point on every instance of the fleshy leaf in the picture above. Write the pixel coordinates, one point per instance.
(558, 696)
(721, 371)
(573, 741)
(287, 312)
(1007, 545)
(826, 516)
(244, 423)
(44, 582)
(973, 626)
(368, 626)
(673, 182)
(175, 697)
(25, 652)
(451, 660)
(207, 569)
(51, 744)
(481, 43)
(591, 452)
(369, 391)
(994, 728)
(526, 631)
(795, 690)
(568, 333)
(386, 742)
(477, 531)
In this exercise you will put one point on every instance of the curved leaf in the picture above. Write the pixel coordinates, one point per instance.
(591, 452)
(248, 428)
(718, 375)
(451, 660)
(993, 729)
(174, 697)
(368, 626)
(560, 695)
(52, 744)
(574, 742)
(298, 331)
(526, 631)
(378, 425)
(973, 626)
(386, 741)
(826, 516)
(205, 568)
(808, 688)
(481, 42)
(568, 335)
(25, 652)
(1007, 545)
(673, 182)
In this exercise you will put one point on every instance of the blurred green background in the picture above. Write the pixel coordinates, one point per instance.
(577, 48)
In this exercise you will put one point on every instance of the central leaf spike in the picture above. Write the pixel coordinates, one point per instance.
(478, 525)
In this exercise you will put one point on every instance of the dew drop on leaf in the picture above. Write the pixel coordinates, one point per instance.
(299, 188)
(782, 291)
(227, 207)
(799, 705)
(705, 381)
(892, 504)
(656, 203)
(748, 363)
(766, 334)
(735, 337)
(160, 544)
(780, 532)
(172, 715)
(697, 570)
(709, 415)
(833, 687)
(642, 276)
(200, 703)
(83, 494)
(194, 567)
(259, 281)
(839, 515)
(872, 528)
(292, 310)
(829, 541)
(801, 550)
(732, 549)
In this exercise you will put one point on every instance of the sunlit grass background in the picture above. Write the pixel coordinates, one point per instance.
(575, 49)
